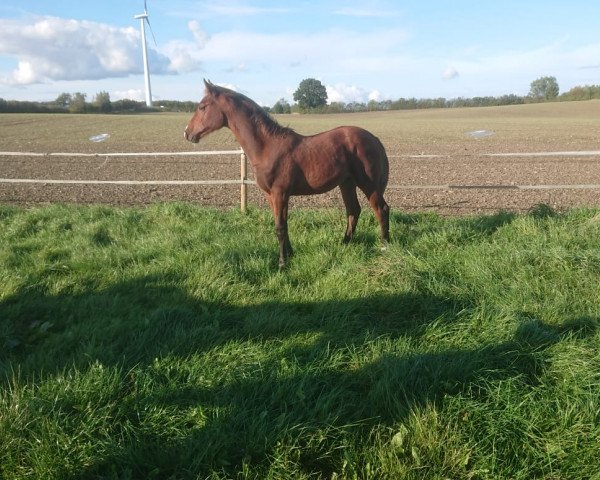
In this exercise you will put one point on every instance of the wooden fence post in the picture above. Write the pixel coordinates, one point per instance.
(244, 186)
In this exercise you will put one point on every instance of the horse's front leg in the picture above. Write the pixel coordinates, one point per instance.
(279, 204)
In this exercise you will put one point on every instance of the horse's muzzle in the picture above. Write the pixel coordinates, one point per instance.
(194, 138)
(191, 138)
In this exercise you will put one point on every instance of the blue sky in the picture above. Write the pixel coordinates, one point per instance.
(360, 50)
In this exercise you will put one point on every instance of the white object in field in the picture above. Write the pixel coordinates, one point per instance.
(99, 138)
(481, 133)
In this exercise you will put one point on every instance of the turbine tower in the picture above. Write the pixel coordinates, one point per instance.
(144, 18)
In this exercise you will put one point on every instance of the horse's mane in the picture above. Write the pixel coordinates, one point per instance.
(257, 114)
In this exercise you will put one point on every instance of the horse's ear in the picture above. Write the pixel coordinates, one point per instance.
(209, 86)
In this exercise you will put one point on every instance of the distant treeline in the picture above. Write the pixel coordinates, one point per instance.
(575, 94)
(76, 103)
(421, 103)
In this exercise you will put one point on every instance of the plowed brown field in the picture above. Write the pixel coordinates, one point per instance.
(429, 151)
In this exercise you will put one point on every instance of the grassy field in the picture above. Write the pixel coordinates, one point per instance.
(519, 128)
(164, 343)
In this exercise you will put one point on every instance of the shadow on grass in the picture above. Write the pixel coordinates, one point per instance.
(151, 317)
(315, 392)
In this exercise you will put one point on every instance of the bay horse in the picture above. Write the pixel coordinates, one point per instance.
(286, 163)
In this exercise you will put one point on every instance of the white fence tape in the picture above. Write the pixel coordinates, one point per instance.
(121, 154)
(584, 153)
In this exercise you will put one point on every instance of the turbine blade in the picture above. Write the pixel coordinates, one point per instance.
(151, 31)
(145, 9)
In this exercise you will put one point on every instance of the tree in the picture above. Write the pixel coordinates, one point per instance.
(586, 92)
(311, 93)
(282, 106)
(77, 103)
(102, 102)
(63, 100)
(544, 88)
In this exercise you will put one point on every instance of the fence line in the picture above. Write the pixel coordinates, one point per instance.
(126, 182)
(251, 182)
(121, 154)
(497, 187)
(244, 182)
(575, 153)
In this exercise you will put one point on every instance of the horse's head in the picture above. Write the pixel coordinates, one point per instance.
(208, 116)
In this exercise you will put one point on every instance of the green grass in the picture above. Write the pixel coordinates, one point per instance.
(164, 343)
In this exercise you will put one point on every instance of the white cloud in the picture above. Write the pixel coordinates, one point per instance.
(375, 95)
(131, 94)
(52, 48)
(181, 57)
(23, 75)
(450, 73)
(200, 36)
(344, 93)
(350, 93)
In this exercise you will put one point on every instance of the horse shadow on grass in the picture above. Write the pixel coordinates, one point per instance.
(137, 321)
(318, 412)
(328, 379)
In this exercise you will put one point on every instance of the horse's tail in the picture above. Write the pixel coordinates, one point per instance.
(385, 166)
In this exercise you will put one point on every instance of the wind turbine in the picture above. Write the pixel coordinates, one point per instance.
(144, 18)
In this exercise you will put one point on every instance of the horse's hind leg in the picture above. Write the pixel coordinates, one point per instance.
(279, 205)
(382, 212)
(348, 189)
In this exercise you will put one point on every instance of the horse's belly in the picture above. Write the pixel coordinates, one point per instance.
(313, 184)
(313, 189)
(318, 176)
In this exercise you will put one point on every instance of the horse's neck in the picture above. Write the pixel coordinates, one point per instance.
(249, 135)
(252, 137)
